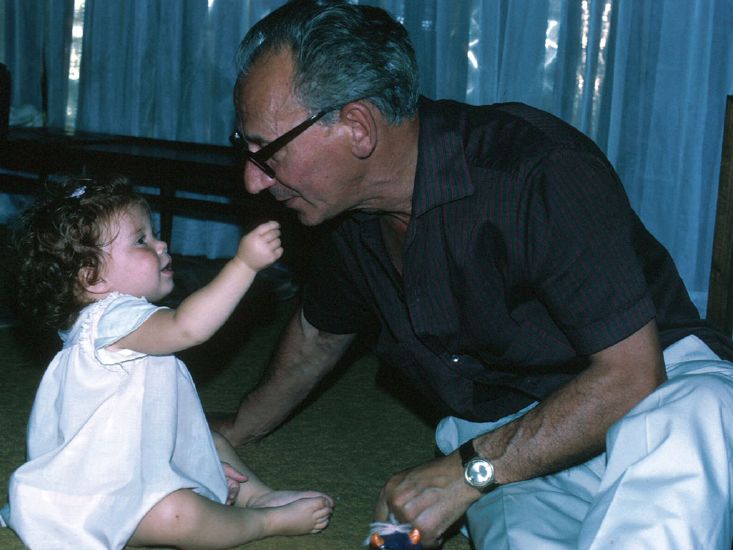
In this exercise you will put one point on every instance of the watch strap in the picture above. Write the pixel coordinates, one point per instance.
(467, 452)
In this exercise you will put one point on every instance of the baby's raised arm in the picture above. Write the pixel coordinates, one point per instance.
(201, 314)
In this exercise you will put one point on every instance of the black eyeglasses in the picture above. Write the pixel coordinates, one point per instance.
(260, 157)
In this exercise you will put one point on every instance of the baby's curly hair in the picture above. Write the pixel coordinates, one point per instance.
(60, 235)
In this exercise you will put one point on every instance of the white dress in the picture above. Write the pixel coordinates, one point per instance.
(110, 434)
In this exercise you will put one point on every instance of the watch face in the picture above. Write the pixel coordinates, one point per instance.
(479, 473)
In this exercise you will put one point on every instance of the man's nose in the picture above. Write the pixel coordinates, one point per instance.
(255, 180)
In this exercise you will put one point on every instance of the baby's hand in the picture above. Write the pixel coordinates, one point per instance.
(234, 478)
(261, 246)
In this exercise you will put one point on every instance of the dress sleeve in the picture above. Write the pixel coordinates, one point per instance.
(122, 316)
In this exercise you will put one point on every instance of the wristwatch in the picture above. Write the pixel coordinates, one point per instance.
(477, 471)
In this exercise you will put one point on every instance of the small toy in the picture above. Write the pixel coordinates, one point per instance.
(393, 536)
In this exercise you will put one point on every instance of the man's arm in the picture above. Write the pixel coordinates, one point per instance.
(304, 355)
(567, 428)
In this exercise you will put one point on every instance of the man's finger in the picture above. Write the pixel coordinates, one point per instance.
(381, 512)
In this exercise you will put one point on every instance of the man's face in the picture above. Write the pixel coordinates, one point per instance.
(315, 174)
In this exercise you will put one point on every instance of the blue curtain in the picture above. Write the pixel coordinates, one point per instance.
(162, 69)
(37, 35)
(35, 47)
(646, 79)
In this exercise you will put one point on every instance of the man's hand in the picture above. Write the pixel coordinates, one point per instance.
(567, 428)
(234, 478)
(303, 356)
(431, 497)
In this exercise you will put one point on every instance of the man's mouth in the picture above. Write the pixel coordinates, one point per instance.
(279, 196)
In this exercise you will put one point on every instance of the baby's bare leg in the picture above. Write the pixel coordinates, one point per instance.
(254, 492)
(251, 488)
(185, 519)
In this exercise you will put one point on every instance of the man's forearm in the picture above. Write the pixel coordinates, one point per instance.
(304, 355)
(570, 426)
(566, 428)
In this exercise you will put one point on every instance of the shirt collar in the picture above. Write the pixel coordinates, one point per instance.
(442, 174)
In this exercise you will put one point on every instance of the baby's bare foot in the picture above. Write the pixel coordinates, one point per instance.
(299, 517)
(271, 499)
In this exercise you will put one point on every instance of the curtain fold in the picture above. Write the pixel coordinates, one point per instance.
(37, 35)
(36, 38)
(645, 79)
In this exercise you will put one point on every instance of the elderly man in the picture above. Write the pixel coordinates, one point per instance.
(513, 286)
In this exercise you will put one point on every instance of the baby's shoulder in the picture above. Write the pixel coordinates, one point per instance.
(119, 315)
(108, 320)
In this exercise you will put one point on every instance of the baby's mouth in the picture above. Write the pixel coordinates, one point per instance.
(168, 268)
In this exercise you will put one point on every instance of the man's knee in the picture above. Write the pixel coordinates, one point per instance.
(689, 411)
(699, 394)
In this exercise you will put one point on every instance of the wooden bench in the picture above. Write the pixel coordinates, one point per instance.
(28, 155)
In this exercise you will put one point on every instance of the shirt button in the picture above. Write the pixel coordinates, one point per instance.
(455, 359)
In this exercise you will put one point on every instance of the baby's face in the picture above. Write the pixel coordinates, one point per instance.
(135, 262)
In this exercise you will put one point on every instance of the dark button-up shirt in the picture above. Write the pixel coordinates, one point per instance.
(522, 257)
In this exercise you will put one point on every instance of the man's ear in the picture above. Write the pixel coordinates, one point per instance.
(364, 128)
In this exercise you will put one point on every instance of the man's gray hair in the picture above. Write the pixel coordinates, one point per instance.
(341, 53)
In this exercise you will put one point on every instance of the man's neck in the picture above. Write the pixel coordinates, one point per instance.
(394, 172)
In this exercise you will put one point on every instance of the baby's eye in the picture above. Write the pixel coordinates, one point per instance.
(141, 240)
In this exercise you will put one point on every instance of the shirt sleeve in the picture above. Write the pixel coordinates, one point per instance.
(582, 255)
(121, 317)
(331, 298)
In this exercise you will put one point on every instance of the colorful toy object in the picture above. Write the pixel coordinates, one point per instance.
(393, 536)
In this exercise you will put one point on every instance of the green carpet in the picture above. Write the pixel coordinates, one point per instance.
(345, 441)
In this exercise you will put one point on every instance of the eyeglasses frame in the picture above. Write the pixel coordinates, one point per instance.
(260, 157)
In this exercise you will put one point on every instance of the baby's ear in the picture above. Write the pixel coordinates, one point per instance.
(90, 281)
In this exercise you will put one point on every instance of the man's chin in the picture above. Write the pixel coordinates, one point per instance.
(307, 214)
(307, 218)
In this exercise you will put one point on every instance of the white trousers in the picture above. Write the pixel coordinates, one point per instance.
(664, 482)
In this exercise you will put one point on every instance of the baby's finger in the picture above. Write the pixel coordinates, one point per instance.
(267, 226)
(271, 238)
